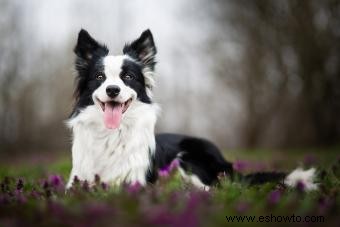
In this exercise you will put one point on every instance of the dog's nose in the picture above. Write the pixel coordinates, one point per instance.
(112, 90)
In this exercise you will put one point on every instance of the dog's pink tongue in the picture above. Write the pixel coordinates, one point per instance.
(112, 115)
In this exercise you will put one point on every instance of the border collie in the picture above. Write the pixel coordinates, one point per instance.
(114, 118)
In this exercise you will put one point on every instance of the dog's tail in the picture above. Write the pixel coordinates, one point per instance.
(297, 178)
(304, 178)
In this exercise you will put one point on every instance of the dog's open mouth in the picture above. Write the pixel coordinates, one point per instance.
(113, 112)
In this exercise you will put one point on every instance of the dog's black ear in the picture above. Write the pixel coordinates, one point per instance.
(86, 46)
(143, 49)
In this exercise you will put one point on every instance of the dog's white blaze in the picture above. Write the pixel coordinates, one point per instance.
(307, 177)
(113, 65)
(112, 70)
(117, 156)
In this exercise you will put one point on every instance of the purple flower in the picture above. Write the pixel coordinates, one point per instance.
(166, 170)
(20, 184)
(56, 181)
(259, 166)
(164, 216)
(45, 184)
(134, 187)
(240, 165)
(324, 204)
(189, 217)
(174, 198)
(19, 196)
(274, 197)
(86, 186)
(97, 210)
(4, 199)
(300, 186)
(97, 179)
(174, 165)
(195, 198)
(104, 186)
(160, 216)
(76, 180)
(241, 207)
(34, 194)
(47, 188)
(163, 173)
(56, 209)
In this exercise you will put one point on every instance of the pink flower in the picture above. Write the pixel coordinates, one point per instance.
(163, 173)
(174, 165)
(134, 187)
(166, 170)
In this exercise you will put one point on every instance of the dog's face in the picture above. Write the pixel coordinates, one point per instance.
(112, 83)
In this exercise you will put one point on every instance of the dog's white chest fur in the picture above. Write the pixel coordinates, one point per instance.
(117, 156)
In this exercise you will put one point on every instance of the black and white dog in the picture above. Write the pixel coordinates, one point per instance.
(113, 123)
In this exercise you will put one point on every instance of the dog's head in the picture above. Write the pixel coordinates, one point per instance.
(113, 82)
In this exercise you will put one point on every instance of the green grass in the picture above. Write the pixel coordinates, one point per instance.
(40, 200)
(61, 166)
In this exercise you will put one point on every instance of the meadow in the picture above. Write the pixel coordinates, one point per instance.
(32, 194)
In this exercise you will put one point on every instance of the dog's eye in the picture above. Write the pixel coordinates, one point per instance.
(100, 77)
(128, 76)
